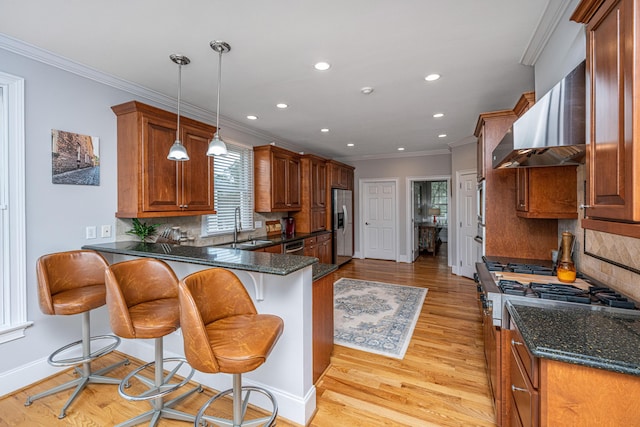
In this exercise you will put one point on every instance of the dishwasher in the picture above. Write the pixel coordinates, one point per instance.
(293, 248)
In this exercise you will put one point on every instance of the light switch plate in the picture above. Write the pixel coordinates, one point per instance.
(90, 232)
(257, 224)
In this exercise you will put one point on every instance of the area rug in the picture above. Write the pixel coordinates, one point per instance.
(374, 316)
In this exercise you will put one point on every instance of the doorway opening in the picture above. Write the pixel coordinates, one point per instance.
(429, 213)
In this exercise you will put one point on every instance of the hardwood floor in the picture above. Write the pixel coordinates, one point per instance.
(440, 382)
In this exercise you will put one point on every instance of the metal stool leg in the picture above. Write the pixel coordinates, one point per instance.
(86, 376)
(240, 406)
(158, 388)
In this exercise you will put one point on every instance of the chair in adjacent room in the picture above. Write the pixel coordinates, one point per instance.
(223, 333)
(71, 283)
(142, 297)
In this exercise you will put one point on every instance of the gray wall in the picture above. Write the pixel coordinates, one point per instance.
(400, 168)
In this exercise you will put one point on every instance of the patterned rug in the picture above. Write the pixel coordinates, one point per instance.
(376, 317)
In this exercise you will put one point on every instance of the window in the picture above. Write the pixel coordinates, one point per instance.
(233, 187)
(439, 198)
(13, 283)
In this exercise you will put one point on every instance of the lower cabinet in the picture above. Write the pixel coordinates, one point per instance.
(548, 393)
(322, 324)
(319, 247)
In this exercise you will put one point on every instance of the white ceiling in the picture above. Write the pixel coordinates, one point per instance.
(476, 46)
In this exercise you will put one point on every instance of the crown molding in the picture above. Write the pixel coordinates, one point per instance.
(464, 141)
(395, 155)
(197, 113)
(547, 24)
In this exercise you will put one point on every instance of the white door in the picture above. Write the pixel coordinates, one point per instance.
(468, 224)
(380, 220)
(415, 247)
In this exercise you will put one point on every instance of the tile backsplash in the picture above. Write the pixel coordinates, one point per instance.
(616, 249)
(193, 226)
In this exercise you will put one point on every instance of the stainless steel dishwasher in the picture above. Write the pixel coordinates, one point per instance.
(293, 248)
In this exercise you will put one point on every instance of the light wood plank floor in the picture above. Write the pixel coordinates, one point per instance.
(440, 382)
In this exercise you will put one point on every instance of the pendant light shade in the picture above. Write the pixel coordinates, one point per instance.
(177, 151)
(217, 147)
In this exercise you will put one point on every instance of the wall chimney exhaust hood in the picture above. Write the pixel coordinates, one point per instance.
(551, 132)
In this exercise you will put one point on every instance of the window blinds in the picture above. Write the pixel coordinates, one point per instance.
(233, 187)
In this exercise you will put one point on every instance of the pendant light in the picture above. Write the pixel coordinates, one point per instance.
(217, 147)
(177, 151)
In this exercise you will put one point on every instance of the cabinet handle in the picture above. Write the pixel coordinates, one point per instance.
(514, 388)
(583, 206)
(514, 342)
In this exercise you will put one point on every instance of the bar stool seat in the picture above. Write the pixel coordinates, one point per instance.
(222, 332)
(142, 296)
(71, 283)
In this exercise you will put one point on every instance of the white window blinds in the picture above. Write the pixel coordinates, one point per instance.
(233, 187)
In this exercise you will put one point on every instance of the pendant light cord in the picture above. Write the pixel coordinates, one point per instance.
(219, 82)
(179, 90)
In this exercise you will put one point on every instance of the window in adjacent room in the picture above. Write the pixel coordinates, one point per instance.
(439, 198)
(233, 187)
(13, 282)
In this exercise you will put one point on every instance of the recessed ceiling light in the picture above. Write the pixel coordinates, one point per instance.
(252, 117)
(366, 90)
(438, 115)
(442, 135)
(351, 144)
(281, 105)
(322, 66)
(400, 148)
(432, 77)
(324, 130)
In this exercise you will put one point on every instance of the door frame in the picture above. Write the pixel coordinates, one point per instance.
(361, 199)
(458, 237)
(409, 208)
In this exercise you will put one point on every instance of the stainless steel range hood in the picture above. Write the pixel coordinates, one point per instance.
(552, 132)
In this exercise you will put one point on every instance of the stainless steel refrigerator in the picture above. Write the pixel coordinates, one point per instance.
(342, 225)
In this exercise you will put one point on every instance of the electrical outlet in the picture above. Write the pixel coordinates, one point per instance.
(257, 224)
(90, 232)
(105, 231)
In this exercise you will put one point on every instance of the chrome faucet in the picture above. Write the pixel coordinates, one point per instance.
(237, 221)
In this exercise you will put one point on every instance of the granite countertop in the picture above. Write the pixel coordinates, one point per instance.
(599, 337)
(321, 270)
(262, 262)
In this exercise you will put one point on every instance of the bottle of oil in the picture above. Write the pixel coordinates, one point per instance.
(566, 270)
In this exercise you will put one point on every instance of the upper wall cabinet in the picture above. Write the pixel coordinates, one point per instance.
(339, 175)
(150, 185)
(312, 214)
(277, 179)
(613, 189)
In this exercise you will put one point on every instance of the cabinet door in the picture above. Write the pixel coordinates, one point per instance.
(522, 189)
(480, 155)
(161, 187)
(279, 164)
(293, 183)
(197, 172)
(310, 247)
(318, 219)
(612, 66)
(318, 184)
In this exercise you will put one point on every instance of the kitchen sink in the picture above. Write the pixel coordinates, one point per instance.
(248, 244)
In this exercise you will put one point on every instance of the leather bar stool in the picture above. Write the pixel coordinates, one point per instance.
(142, 296)
(223, 332)
(71, 283)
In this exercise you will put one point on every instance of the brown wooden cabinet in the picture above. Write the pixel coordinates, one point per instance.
(277, 179)
(312, 215)
(613, 64)
(310, 247)
(340, 175)
(322, 324)
(150, 185)
(325, 248)
(548, 192)
(504, 229)
(524, 383)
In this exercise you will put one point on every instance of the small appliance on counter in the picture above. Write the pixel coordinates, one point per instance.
(289, 226)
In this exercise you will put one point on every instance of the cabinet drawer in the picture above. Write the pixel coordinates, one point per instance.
(529, 362)
(524, 395)
(323, 237)
(310, 241)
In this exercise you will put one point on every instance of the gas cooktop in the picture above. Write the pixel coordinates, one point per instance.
(595, 295)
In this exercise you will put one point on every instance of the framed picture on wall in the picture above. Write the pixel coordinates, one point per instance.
(75, 158)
